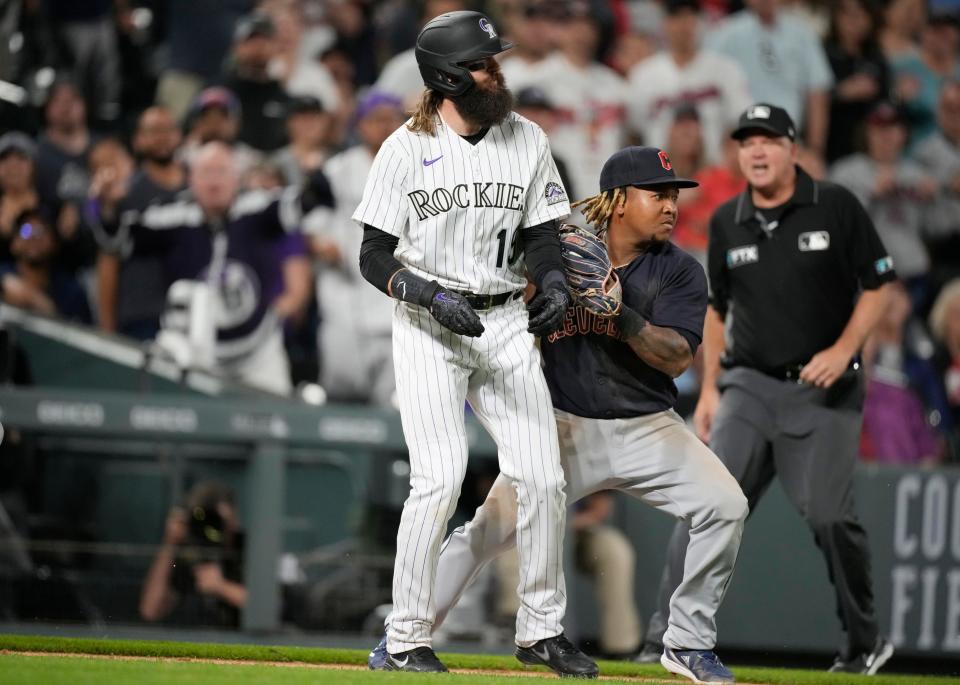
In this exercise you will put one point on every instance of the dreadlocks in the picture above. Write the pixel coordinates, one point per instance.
(598, 210)
(424, 116)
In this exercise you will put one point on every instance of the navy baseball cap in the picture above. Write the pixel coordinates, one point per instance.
(640, 166)
(767, 118)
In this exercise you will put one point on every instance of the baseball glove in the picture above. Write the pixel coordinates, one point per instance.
(590, 275)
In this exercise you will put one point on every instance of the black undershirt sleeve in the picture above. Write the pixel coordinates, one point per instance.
(541, 246)
(387, 274)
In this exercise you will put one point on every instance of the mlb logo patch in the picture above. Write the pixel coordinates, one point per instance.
(739, 256)
(758, 112)
(554, 193)
(814, 241)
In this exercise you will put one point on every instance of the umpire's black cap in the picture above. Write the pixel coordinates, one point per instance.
(640, 166)
(766, 118)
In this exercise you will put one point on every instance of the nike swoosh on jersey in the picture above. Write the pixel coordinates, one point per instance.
(428, 162)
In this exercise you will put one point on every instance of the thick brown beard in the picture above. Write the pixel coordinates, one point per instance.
(486, 105)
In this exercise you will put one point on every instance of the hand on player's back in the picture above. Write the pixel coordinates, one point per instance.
(454, 312)
(546, 310)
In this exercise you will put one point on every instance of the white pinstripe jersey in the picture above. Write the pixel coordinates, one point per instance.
(457, 208)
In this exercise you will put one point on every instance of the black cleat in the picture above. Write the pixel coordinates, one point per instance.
(419, 660)
(865, 663)
(559, 655)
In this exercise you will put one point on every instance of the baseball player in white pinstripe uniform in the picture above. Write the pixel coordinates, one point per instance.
(453, 200)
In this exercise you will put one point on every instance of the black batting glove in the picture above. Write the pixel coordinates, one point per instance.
(547, 309)
(453, 311)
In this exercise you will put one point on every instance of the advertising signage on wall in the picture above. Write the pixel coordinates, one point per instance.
(925, 573)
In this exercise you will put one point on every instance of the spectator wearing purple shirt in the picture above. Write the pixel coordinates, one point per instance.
(225, 251)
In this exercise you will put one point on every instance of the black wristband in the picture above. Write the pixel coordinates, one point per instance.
(407, 286)
(630, 321)
(553, 279)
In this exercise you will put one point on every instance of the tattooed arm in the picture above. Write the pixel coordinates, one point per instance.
(662, 348)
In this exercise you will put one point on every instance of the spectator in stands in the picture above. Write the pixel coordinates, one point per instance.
(939, 155)
(590, 97)
(355, 33)
(62, 176)
(531, 102)
(18, 191)
(895, 191)
(860, 72)
(606, 555)
(529, 28)
(919, 77)
(718, 183)
(131, 287)
(308, 128)
(400, 76)
(686, 148)
(903, 20)
(34, 281)
(945, 326)
(295, 60)
(225, 259)
(197, 574)
(263, 99)
(198, 39)
(88, 32)
(338, 64)
(684, 74)
(784, 63)
(630, 48)
(895, 427)
(215, 115)
(355, 348)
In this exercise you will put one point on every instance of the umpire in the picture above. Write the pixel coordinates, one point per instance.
(799, 277)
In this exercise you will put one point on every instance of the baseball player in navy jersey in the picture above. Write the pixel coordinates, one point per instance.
(453, 199)
(611, 381)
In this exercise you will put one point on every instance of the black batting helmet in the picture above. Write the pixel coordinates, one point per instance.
(450, 41)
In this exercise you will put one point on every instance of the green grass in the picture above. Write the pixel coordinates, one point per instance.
(18, 669)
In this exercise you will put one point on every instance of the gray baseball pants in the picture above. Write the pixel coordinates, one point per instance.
(654, 458)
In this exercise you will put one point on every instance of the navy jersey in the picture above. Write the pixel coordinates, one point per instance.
(593, 373)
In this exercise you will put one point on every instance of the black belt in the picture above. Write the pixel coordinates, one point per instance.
(487, 301)
(784, 373)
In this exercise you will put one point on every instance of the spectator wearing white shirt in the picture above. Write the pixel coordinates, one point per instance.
(590, 98)
(530, 29)
(685, 75)
(356, 356)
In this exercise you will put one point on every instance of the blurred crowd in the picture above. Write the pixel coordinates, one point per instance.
(108, 109)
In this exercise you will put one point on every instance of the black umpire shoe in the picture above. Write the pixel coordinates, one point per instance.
(865, 663)
(559, 654)
(419, 660)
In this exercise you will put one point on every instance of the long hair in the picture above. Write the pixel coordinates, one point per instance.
(598, 210)
(424, 118)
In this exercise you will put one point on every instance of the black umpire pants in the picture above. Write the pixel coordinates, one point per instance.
(809, 438)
